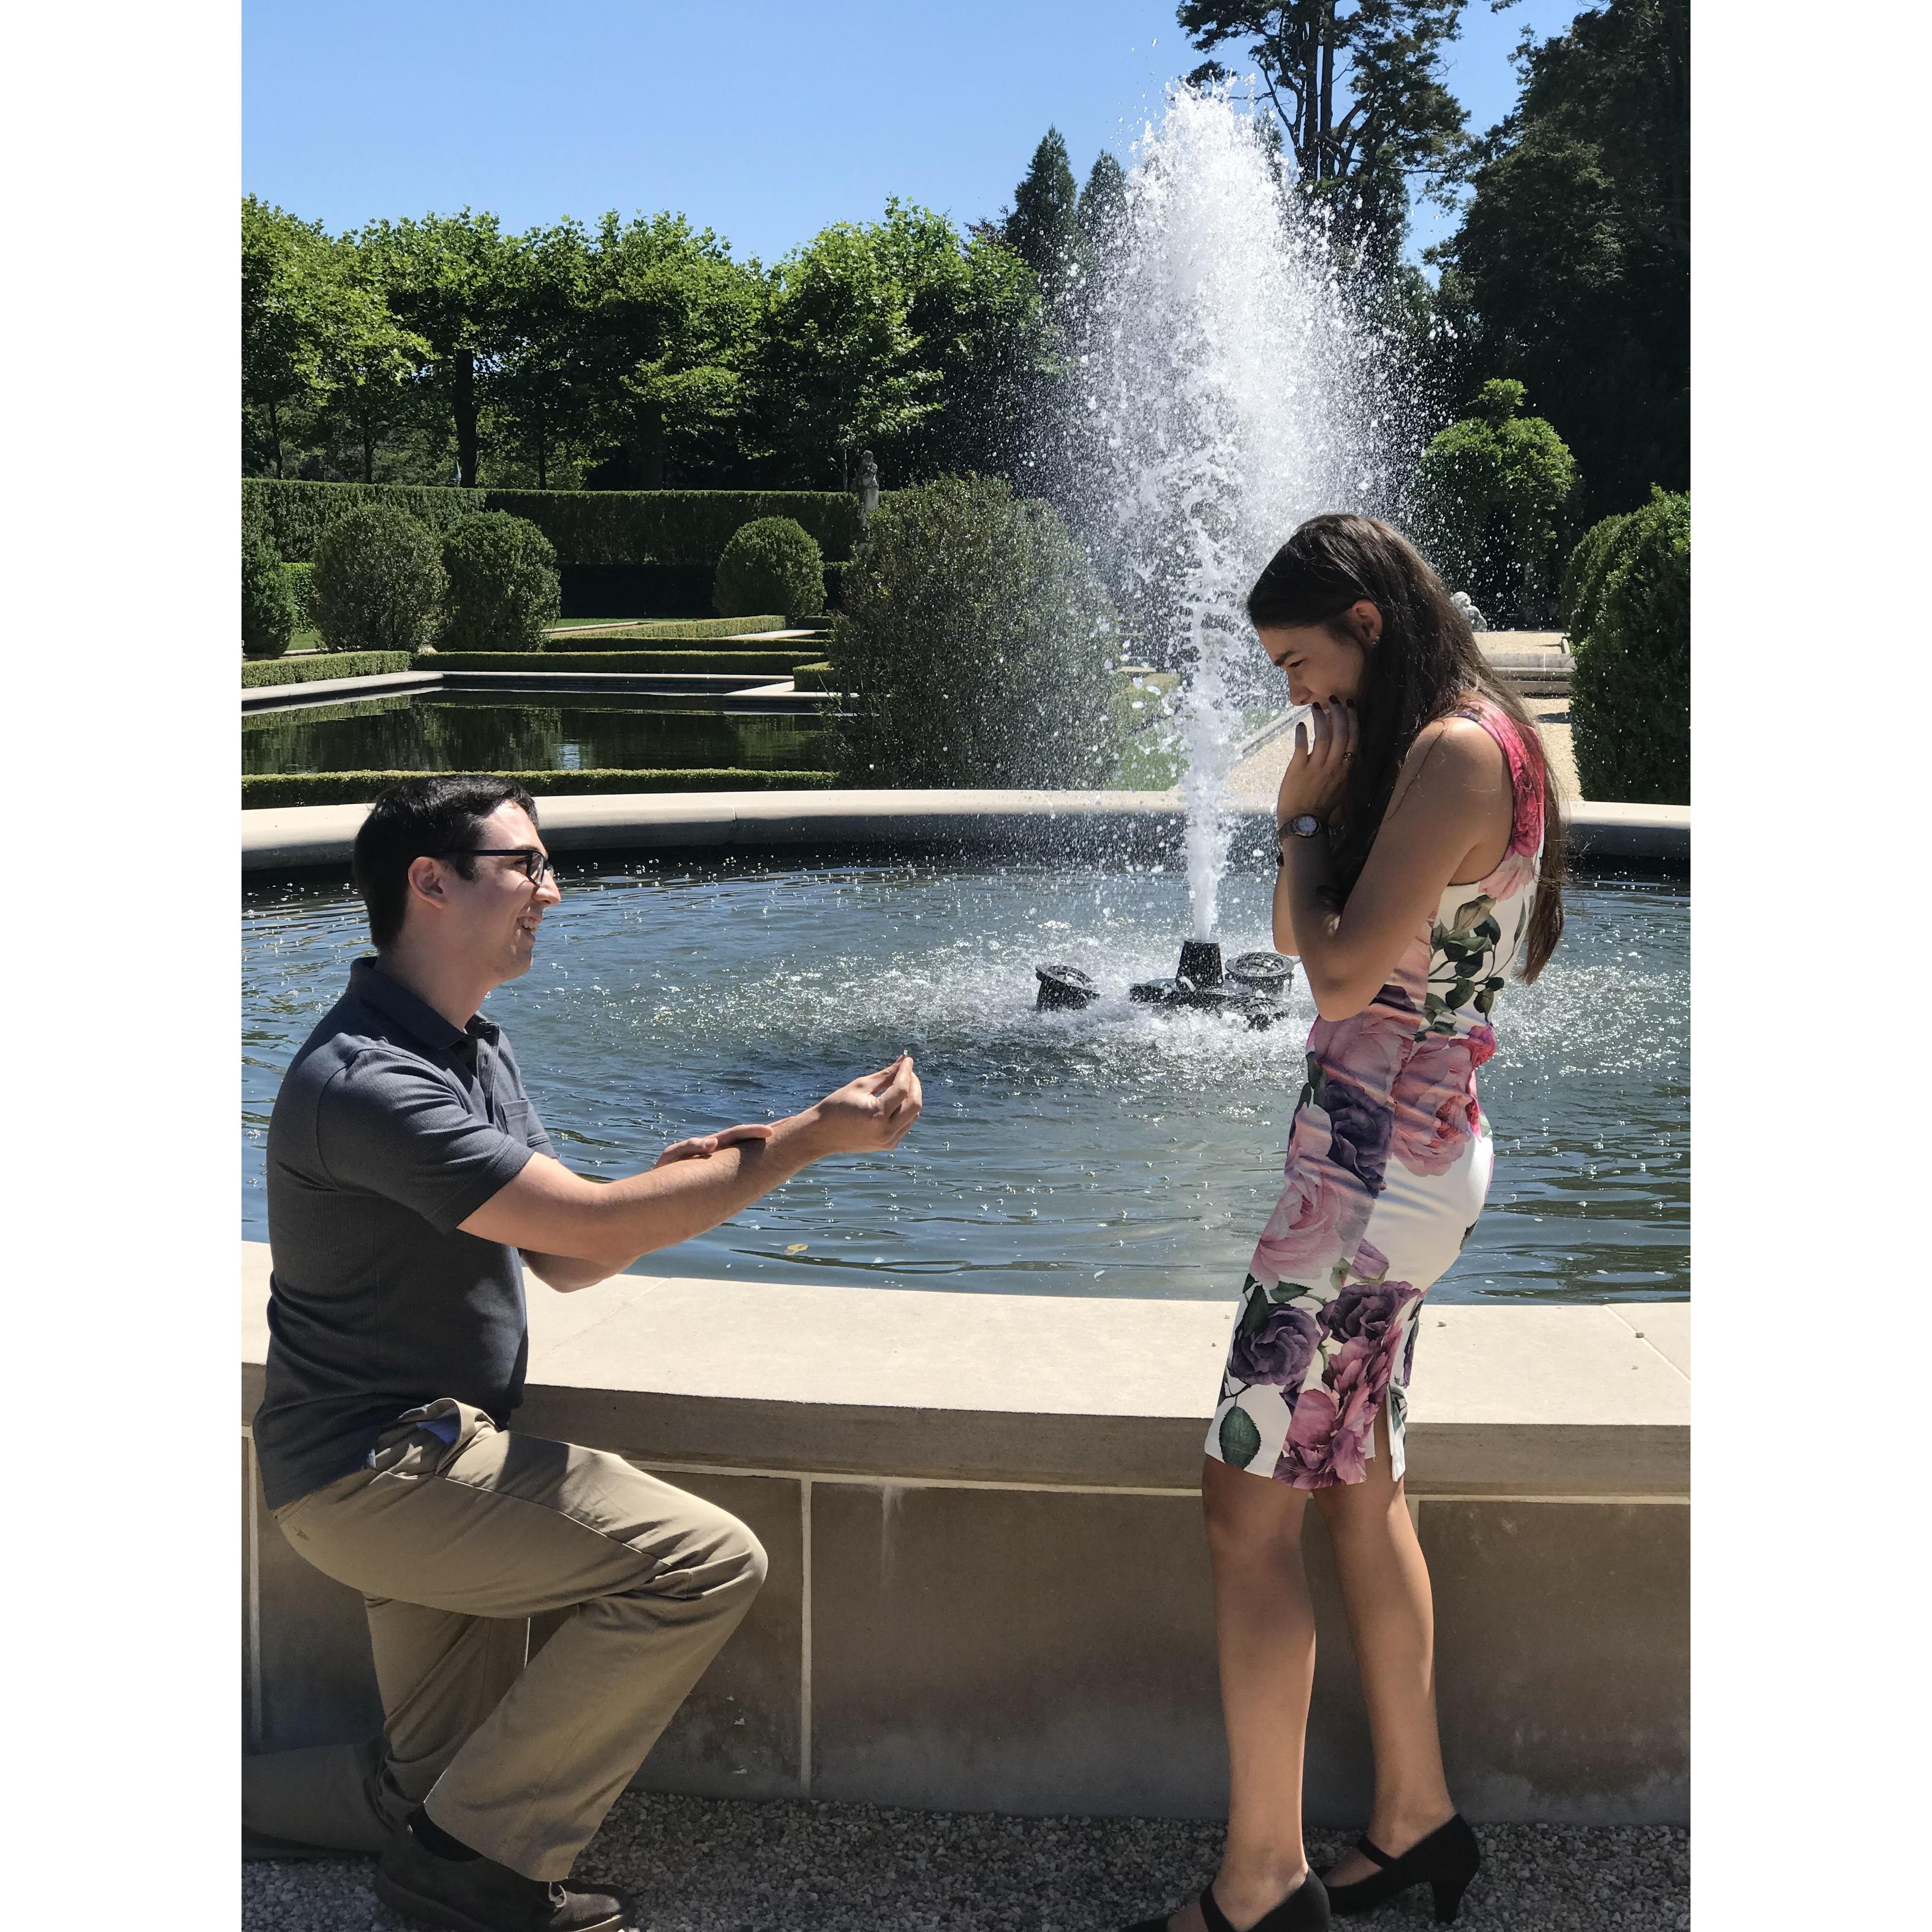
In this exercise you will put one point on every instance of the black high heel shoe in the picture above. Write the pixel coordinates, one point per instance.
(1304, 1909)
(1446, 1860)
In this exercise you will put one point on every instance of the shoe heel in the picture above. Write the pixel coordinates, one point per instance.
(1448, 1895)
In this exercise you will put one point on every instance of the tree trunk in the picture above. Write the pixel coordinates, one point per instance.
(275, 430)
(1330, 163)
(368, 449)
(462, 407)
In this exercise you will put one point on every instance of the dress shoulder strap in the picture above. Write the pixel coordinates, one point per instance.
(1525, 763)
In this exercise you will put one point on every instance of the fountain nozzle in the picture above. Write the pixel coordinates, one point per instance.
(1200, 961)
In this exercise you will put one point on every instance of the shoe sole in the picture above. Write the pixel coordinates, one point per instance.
(433, 1911)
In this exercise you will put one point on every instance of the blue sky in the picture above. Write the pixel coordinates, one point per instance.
(764, 122)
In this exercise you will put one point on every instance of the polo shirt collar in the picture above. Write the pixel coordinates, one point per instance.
(368, 982)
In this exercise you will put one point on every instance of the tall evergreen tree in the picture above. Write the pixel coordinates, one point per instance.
(1043, 229)
(1103, 204)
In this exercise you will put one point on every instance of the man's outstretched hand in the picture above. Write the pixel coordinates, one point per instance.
(871, 1114)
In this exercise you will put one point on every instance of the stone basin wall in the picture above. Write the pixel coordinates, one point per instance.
(989, 1587)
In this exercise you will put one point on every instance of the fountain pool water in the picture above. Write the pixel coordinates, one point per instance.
(1109, 1151)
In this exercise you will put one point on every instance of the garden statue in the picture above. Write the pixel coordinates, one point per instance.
(869, 486)
(1464, 603)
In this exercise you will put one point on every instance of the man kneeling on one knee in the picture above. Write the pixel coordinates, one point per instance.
(410, 1184)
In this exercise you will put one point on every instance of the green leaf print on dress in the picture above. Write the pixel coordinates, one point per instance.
(1461, 966)
(1240, 1440)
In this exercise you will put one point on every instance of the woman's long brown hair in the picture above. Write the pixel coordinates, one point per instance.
(1425, 665)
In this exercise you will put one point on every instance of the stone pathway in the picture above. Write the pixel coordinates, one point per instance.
(720, 1865)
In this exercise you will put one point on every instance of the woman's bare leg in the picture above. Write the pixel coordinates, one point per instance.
(1264, 1632)
(1392, 1620)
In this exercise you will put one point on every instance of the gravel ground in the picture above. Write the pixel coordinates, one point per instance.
(717, 1865)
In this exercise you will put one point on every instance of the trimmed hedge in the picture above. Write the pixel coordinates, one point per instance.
(636, 590)
(673, 525)
(1629, 682)
(587, 527)
(698, 630)
(325, 664)
(293, 516)
(268, 790)
(819, 677)
(778, 661)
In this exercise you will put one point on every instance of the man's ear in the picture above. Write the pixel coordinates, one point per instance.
(428, 881)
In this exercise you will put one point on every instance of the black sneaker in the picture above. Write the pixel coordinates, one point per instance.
(479, 1895)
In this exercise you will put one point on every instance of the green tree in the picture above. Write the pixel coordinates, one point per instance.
(447, 279)
(976, 645)
(1043, 229)
(367, 361)
(282, 323)
(672, 326)
(1490, 493)
(841, 365)
(1358, 93)
(1102, 213)
(543, 389)
(1575, 248)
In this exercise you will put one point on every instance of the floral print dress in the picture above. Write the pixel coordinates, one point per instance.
(1388, 1163)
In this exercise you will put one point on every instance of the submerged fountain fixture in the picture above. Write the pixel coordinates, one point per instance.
(1251, 988)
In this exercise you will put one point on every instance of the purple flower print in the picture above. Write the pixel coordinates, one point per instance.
(1279, 1351)
(1364, 1311)
(1360, 1129)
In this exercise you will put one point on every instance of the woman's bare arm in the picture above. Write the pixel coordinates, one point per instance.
(1449, 817)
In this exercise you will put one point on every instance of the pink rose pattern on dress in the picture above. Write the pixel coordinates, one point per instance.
(1434, 1098)
(1325, 1337)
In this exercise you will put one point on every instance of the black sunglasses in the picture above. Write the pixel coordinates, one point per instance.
(536, 861)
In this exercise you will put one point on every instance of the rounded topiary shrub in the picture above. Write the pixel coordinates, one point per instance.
(378, 581)
(1629, 686)
(1490, 492)
(976, 645)
(268, 606)
(773, 564)
(1583, 574)
(503, 592)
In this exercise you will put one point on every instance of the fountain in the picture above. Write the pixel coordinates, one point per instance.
(1231, 389)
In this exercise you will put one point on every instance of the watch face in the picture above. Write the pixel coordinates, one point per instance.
(1304, 824)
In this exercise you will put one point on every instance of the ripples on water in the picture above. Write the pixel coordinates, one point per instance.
(1106, 1153)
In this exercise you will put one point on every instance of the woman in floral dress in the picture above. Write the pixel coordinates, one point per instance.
(1421, 856)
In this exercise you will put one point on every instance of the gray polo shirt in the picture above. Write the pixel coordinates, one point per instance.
(392, 1128)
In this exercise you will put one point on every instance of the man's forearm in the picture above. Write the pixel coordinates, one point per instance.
(550, 1212)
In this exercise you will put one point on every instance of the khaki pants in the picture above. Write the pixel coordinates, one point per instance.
(454, 1549)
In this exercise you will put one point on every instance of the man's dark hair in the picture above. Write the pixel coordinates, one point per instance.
(441, 813)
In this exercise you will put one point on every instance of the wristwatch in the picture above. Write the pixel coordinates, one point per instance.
(1304, 825)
